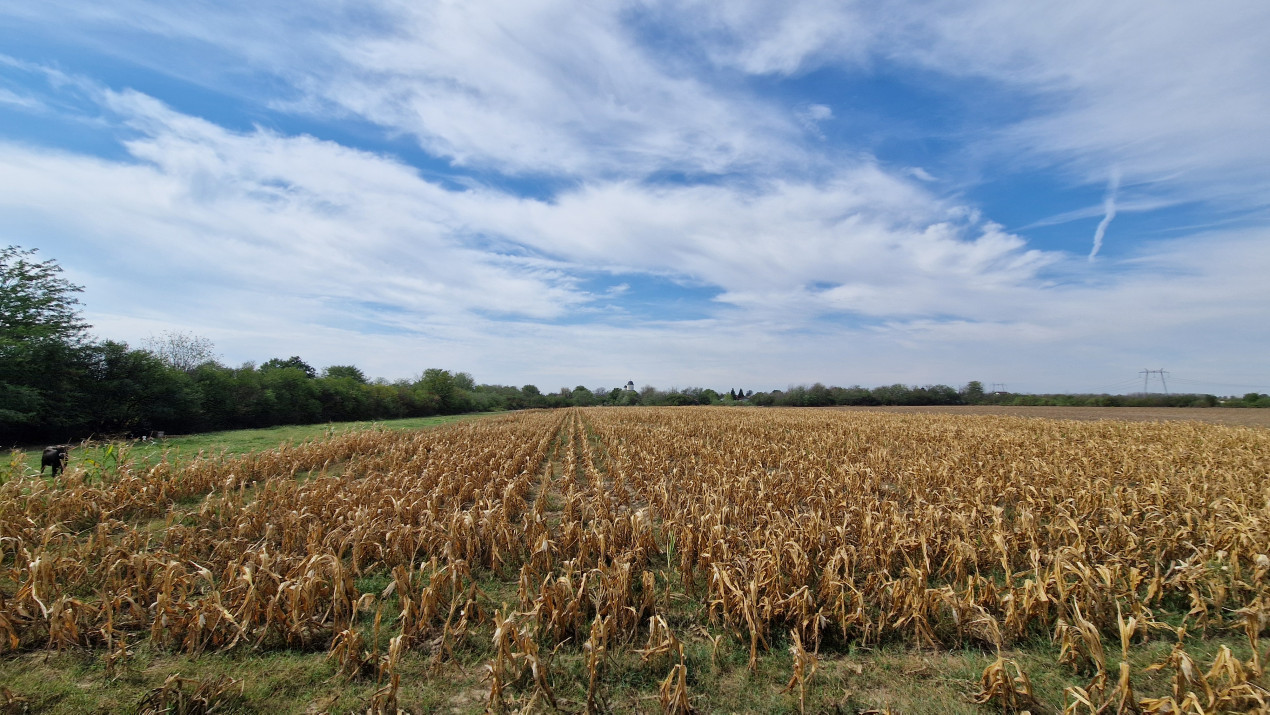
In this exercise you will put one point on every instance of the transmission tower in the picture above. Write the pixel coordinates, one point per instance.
(1146, 379)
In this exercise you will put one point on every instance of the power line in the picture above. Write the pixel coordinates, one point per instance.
(1146, 377)
(1114, 386)
(1189, 381)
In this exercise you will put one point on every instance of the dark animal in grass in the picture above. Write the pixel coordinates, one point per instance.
(55, 457)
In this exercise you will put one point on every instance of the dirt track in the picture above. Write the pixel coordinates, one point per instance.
(1214, 415)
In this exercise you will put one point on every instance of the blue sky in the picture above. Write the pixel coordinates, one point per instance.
(1053, 196)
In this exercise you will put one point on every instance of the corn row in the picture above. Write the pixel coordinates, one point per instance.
(815, 528)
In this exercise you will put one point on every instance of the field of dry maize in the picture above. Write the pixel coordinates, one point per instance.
(653, 558)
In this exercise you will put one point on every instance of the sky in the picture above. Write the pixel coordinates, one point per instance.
(1044, 197)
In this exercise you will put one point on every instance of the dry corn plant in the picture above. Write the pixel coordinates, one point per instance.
(841, 528)
(596, 649)
(1012, 693)
(188, 696)
(673, 693)
(348, 650)
(662, 644)
(805, 665)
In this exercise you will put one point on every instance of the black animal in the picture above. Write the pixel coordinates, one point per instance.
(55, 457)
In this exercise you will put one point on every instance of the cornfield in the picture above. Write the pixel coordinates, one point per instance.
(591, 532)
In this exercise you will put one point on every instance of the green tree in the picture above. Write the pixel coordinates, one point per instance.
(42, 340)
(134, 391)
(533, 396)
(217, 386)
(294, 361)
(44, 389)
(290, 397)
(818, 396)
(344, 398)
(582, 397)
(448, 390)
(464, 381)
(345, 371)
(35, 302)
(973, 392)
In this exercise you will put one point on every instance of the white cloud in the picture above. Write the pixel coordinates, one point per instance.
(19, 100)
(826, 267)
(1176, 95)
(865, 243)
(254, 241)
(260, 207)
(274, 244)
(546, 87)
(776, 38)
(810, 116)
(254, 234)
(275, 214)
(919, 173)
(819, 112)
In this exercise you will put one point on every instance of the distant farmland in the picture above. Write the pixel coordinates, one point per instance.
(1213, 415)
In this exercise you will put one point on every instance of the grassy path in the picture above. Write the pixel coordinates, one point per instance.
(230, 442)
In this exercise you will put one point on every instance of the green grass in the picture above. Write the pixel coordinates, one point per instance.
(907, 679)
(279, 683)
(233, 442)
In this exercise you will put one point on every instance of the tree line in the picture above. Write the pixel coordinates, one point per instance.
(58, 384)
(973, 393)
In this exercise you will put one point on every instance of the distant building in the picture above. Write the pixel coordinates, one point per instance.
(630, 386)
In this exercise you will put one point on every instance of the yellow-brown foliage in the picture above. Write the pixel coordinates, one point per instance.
(831, 527)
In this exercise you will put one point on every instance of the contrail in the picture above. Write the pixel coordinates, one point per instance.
(1109, 205)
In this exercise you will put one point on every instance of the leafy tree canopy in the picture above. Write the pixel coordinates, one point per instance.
(349, 371)
(35, 302)
(293, 361)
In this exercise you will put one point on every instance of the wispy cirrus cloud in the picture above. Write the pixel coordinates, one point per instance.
(496, 87)
(277, 207)
(293, 213)
(544, 88)
(502, 89)
(571, 157)
(1097, 84)
(343, 237)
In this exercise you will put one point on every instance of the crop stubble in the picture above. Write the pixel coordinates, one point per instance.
(811, 532)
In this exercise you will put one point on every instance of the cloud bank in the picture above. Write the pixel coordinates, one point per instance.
(670, 193)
